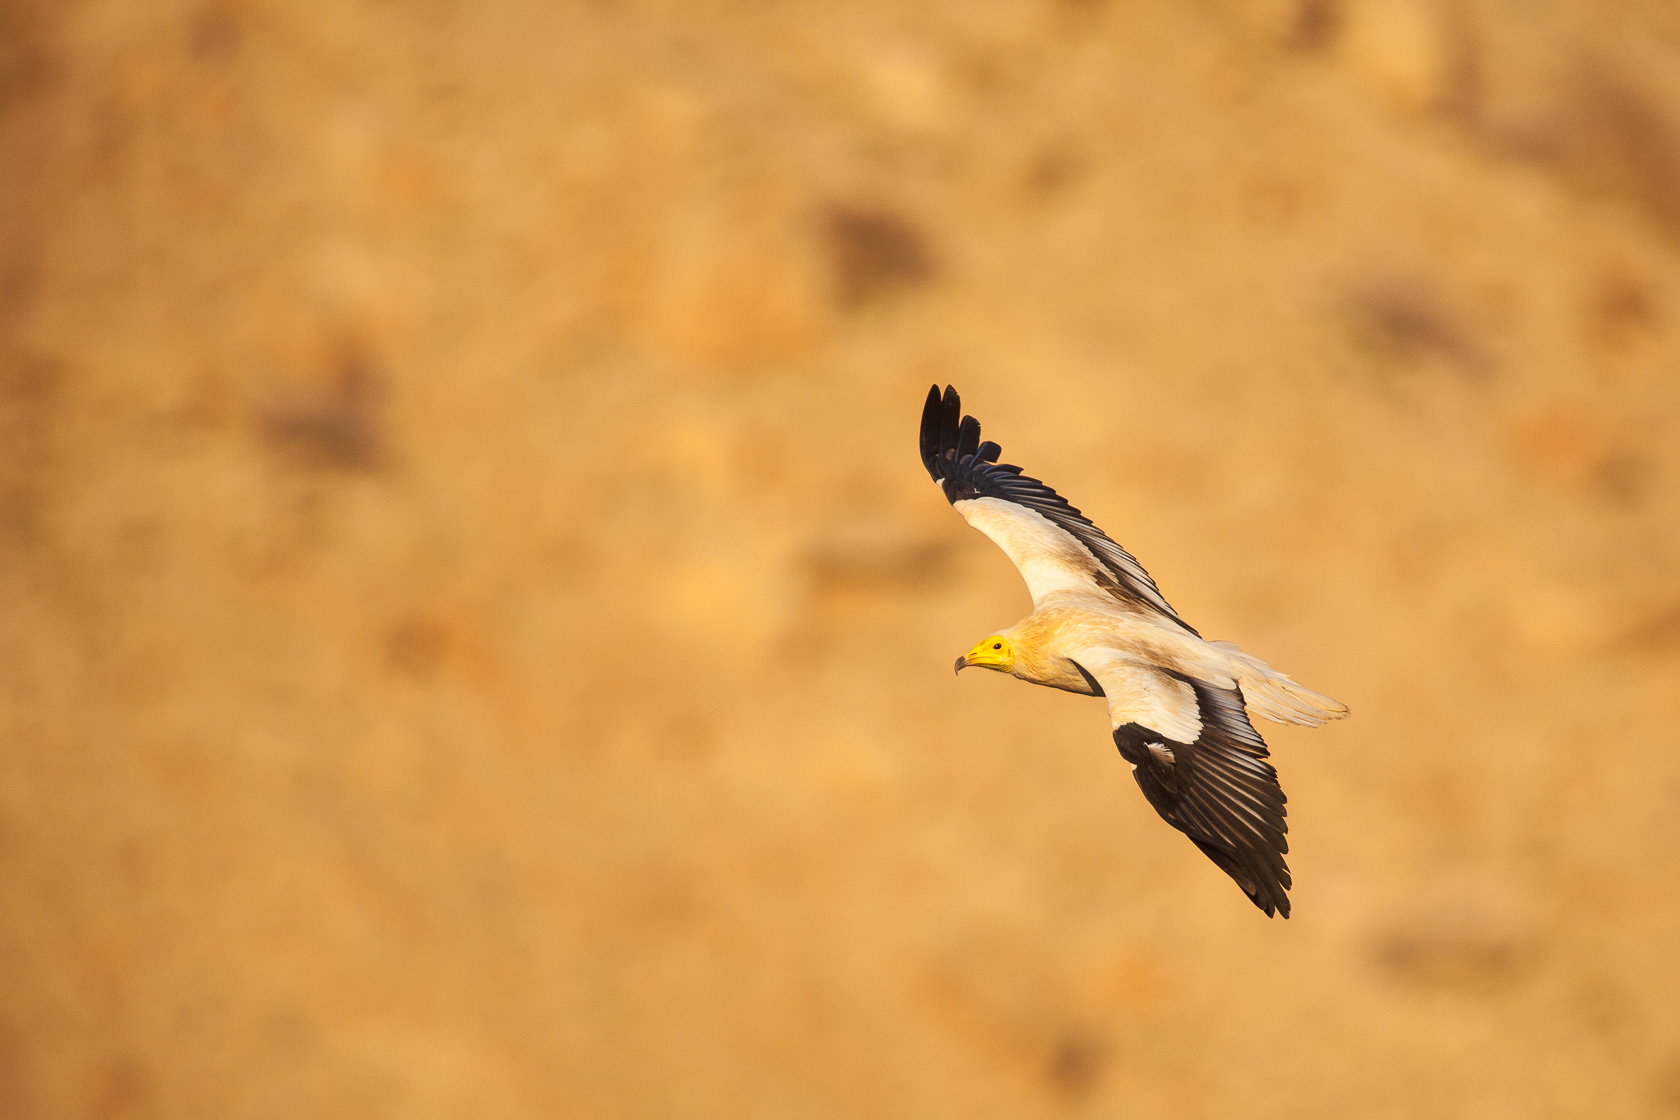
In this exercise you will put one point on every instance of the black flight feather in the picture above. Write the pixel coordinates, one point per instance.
(1220, 792)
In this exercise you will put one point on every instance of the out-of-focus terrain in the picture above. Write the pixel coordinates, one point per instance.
(475, 636)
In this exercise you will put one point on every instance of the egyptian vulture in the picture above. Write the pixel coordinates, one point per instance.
(1100, 627)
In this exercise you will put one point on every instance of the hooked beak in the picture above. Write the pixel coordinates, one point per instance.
(962, 663)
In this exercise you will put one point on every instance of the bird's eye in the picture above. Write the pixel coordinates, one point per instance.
(997, 645)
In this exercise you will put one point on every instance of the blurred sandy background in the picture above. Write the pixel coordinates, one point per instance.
(476, 637)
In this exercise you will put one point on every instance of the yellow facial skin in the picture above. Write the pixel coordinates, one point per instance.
(993, 653)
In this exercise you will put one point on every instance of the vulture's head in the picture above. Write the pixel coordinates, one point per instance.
(992, 653)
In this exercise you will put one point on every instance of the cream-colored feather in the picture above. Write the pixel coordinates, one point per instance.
(1139, 692)
(1049, 559)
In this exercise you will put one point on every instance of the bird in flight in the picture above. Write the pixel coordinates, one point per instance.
(1100, 627)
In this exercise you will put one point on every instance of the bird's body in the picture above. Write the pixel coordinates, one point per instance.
(1100, 627)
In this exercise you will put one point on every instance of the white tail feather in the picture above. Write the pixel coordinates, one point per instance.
(1275, 696)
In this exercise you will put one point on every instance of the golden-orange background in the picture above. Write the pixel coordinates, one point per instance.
(476, 637)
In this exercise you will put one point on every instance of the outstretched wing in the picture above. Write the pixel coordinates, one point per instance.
(1052, 544)
(1203, 767)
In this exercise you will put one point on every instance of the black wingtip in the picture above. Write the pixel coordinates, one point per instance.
(950, 422)
(932, 415)
(945, 429)
(1269, 901)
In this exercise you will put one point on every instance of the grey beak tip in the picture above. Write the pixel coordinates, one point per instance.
(962, 663)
